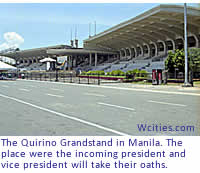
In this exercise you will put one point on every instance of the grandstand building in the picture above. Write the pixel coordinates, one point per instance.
(142, 42)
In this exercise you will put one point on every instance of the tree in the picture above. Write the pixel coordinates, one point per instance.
(179, 60)
(175, 60)
(194, 59)
(169, 64)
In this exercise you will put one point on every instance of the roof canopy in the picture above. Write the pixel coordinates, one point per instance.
(4, 66)
(37, 52)
(77, 51)
(162, 23)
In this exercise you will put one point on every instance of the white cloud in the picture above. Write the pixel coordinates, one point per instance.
(4, 46)
(12, 40)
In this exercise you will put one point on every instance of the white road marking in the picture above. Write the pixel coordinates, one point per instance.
(32, 86)
(166, 103)
(5, 86)
(66, 116)
(53, 95)
(22, 89)
(109, 84)
(118, 88)
(94, 94)
(55, 89)
(117, 106)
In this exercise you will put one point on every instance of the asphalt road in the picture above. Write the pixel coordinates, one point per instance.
(48, 108)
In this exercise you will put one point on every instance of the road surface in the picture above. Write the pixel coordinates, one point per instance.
(49, 108)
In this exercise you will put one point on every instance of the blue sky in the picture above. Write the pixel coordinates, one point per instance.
(50, 24)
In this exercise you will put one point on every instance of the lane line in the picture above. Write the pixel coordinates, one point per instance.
(109, 84)
(166, 103)
(94, 94)
(117, 106)
(32, 86)
(118, 88)
(66, 116)
(23, 89)
(55, 89)
(5, 86)
(53, 95)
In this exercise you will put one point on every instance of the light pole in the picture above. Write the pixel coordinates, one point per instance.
(186, 83)
(56, 70)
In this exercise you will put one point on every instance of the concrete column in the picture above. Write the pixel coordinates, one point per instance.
(156, 48)
(120, 54)
(75, 61)
(197, 40)
(173, 45)
(90, 61)
(95, 59)
(125, 54)
(129, 49)
(142, 50)
(165, 47)
(69, 62)
(134, 51)
(149, 50)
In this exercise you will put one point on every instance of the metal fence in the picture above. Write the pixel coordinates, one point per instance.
(179, 77)
(62, 77)
(97, 79)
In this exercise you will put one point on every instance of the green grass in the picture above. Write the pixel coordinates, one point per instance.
(142, 82)
(197, 82)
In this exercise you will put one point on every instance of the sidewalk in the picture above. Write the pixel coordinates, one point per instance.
(176, 88)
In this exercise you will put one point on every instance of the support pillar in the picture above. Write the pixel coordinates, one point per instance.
(90, 61)
(156, 49)
(173, 45)
(165, 47)
(142, 50)
(197, 40)
(75, 61)
(125, 53)
(69, 60)
(120, 55)
(95, 60)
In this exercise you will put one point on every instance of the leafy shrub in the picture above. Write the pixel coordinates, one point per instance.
(108, 73)
(83, 72)
(130, 72)
(137, 73)
(143, 73)
(101, 72)
(117, 73)
(89, 72)
(96, 72)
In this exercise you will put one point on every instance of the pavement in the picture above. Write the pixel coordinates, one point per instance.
(30, 108)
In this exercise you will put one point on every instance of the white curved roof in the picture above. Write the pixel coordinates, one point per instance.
(4, 66)
(162, 23)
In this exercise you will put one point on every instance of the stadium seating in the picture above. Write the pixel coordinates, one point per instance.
(33, 67)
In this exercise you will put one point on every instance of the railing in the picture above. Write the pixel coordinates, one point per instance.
(68, 77)
(98, 79)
